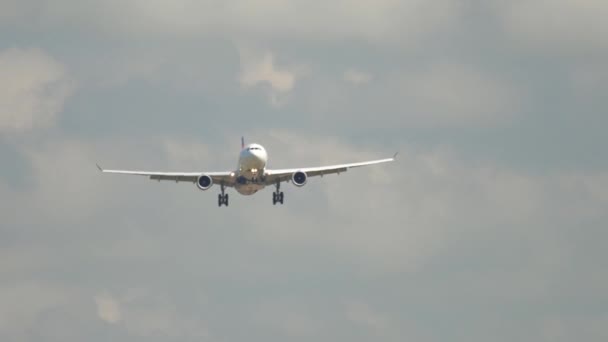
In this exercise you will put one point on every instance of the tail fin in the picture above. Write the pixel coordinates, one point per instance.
(242, 142)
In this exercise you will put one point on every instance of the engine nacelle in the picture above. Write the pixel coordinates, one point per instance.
(299, 178)
(204, 182)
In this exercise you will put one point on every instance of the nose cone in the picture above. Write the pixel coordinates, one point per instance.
(260, 154)
(254, 156)
(260, 157)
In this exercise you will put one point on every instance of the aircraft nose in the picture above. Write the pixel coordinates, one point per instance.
(259, 154)
(249, 155)
(254, 153)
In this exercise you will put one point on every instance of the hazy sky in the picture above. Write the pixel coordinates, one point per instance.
(491, 226)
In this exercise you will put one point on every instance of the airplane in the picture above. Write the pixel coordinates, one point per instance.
(251, 174)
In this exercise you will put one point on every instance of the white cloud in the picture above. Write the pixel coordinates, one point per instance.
(264, 70)
(145, 314)
(357, 77)
(108, 308)
(259, 68)
(33, 89)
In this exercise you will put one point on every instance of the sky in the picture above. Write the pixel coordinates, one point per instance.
(490, 226)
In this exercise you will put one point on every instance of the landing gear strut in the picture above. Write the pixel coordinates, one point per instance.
(277, 196)
(222, 199)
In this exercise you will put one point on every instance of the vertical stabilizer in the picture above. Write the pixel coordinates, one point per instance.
(242, 142)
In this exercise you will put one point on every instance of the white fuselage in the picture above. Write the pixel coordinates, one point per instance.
(250, 170)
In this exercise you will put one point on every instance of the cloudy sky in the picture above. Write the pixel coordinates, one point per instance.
(491, 226)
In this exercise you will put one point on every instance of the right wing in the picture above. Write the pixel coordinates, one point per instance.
(227, 177)
(274, 176)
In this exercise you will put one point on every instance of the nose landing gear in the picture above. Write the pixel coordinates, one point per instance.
(277, 196)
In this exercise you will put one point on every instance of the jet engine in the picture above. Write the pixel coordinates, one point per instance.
(299, 178)
(204, 182)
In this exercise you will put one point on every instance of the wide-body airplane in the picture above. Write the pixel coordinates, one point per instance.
(251, 174)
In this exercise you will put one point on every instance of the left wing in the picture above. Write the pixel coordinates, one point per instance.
(274, 176)
(218, 177)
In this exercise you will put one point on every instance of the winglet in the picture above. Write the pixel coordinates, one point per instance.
(395, 155)
(99, 167)
(242, 142)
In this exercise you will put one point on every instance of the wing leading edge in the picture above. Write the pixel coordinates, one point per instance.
(190, 177)
(274, 176)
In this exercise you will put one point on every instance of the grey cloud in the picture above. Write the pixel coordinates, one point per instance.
(435, 95)
(428, 199)
(382, 21)
(490, 226)
(362, 314)
(394, 225)
(22, 303)
(562, 26)
(458, 94)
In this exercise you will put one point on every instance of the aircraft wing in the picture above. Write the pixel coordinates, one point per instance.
(190, 177)
(274, 176)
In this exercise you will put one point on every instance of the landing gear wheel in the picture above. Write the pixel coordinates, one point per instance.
(222, 199)
(277, 196)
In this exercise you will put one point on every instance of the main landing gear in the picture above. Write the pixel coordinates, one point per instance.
(222, 199)
(277, 196)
